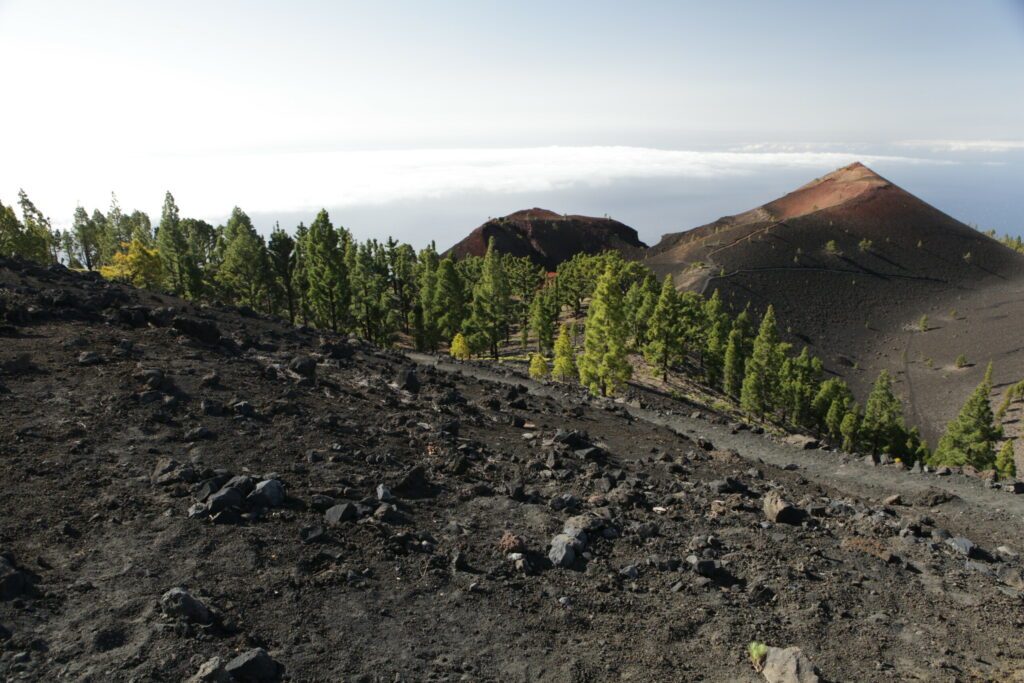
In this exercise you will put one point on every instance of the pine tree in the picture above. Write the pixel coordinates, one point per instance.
(373, 308)
(603, 365)
(641, 298)
(538, 366)
(760, 375)
(741, 338)
(799, 380)
(449, 304)
(87, 238)
(832, 392)
(833, 422)
(328, 292)
(425, 313)
(138, 227)
(564, 369)
(882, 427)
(523, 278)
(1006, 466)
(664, 333)
(116, 232)
(135, 264)
(849, 428)
(245, 273)
(459, 349)
(202, 244)
(733, 363)
(281, 250)
(544, 316)
(301, 275)
(179, 265)
(401, 261)
(34, 237)
(970, 438)
(488, 318)
(716, 339)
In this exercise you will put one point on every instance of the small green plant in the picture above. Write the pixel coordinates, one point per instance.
(539, 367)
(922, 324)
(460, 348)
(831, 248)
(961, 361)
(757, 652)
(952, 313)
(865, 245)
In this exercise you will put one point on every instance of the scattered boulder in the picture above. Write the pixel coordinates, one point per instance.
(563, 551)
(268, 493)
(802, 441)
(227, 497)
(965, 547)
(345, 512)
(788, 665)
(511, 543)
(200, 330)
(407, 380)
(89, 358)
(337, 350)
(181, 604)
(304, 366)
(212, 671)
(779, 511)
(254, 666)
(413, 484)
(13, 581)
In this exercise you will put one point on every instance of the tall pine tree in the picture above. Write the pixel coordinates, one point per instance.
(449, 303)
(283, 261)
(664, 333)
(564, 368)
(882, 427)
(179, 266)
(603, 365)
(970, 438)
(760, 375)
(326, 274)
(489, 314)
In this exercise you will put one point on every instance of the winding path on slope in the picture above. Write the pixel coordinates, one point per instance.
(992, 515)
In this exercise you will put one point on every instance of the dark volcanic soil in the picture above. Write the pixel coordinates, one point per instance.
(122, 412)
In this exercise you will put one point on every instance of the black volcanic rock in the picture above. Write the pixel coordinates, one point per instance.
(549, 238)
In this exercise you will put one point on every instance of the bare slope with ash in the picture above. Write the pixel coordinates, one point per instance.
(188, 483)
(851, 263)
(549, 238)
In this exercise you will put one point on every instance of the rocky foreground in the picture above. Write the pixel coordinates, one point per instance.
(201, 493)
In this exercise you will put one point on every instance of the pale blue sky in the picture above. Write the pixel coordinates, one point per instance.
(427, 117)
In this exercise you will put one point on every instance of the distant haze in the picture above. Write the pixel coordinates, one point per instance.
(421, 120)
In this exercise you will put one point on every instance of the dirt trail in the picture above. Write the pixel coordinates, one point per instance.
(992, 513)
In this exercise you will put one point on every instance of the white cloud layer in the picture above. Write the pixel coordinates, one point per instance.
(965, 145)
(207, 186)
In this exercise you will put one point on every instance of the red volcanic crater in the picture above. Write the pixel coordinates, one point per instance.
(549, 238)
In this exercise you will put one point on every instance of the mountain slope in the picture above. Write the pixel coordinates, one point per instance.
(549, 238)
(186, 483)
(851, 263)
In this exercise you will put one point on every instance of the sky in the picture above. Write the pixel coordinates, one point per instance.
(423, 119)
